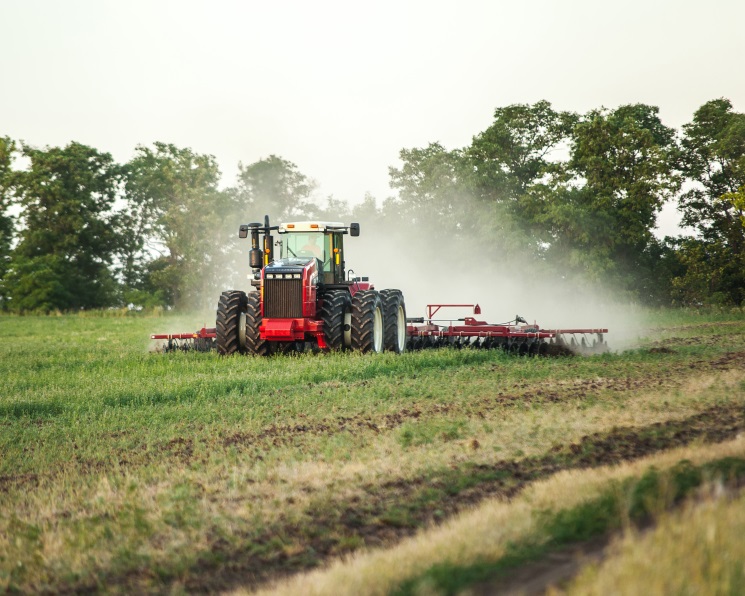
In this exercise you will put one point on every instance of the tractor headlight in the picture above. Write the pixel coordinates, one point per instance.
(296, 276)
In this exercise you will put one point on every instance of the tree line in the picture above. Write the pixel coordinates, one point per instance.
(577, 194)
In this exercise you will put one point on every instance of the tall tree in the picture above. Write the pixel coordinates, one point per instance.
(515, 152)
(7, 150)
(179, 221)
(431, 187)
(70, 233)
(621, 173)
(273, 186)
(713, 160)
(437, 194)
(514, 168)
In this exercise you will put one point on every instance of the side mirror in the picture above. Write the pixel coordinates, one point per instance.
(243, 231)
(354, 229)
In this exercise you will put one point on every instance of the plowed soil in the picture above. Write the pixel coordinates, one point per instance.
(397, 509)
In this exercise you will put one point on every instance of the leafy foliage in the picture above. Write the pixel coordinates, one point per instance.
(177, 216)
(273, 186)
(567, 193)
(7, 150)
(713, 159)
(602, 218)
(513, 156)
(70, 232)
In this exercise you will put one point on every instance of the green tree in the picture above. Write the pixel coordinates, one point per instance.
(7, 150)
(713, 161)
(332, 210)
(620, 173)
(493, 191)
(431, 187)
(182, 226)
(70, 230)
(515, 152)
(274, 187)
(515, 166)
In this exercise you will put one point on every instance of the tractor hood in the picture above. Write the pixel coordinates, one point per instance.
(297, 263)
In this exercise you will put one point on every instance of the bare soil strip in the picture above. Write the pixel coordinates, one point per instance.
(555, 569)
(559, 567)
(389, 512)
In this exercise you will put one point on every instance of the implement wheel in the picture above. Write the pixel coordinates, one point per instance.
(394, 325)
(254, 344)
(336, 305)
(367, 321)
(231, 310)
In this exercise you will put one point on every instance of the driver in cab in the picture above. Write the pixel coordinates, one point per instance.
(313, 246)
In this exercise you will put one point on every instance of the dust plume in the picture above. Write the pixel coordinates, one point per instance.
(433, 265)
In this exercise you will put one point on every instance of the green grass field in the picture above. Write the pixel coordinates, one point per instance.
(127, 470)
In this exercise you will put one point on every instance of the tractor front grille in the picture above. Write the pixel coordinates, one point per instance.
(283, 298)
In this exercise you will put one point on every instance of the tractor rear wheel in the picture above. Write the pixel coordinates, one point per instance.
(336, 305)
(254, 344)
(231, 309)
(367, 321)
(394, 327)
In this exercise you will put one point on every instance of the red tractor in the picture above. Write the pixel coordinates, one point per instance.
(305, 297)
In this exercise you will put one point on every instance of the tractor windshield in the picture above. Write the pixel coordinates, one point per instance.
(305, 245)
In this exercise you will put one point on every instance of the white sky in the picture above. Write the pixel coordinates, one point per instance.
(340, 87)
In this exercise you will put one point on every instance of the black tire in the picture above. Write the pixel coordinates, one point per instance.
(367, 321)
(230, 308)
(394, 326)
(336, 304)
(254, 344)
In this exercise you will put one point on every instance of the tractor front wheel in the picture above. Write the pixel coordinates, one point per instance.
(367, 321)
(394, 334)
(231, 310)
(254, 344)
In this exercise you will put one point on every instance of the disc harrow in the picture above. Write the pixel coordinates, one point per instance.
(203, 340)
(516, 337)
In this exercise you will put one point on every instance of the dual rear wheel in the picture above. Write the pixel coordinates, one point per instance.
(394, 329)
(370, 321)
(378, 321)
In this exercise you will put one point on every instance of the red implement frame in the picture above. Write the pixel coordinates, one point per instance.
(471, 328)
(203, 333)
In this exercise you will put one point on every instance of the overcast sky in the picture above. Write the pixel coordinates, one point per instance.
(340, 87)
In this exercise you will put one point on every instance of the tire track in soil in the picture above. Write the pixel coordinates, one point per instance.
(423, 500)
(279, 435)
(183, 450)
(559, 567)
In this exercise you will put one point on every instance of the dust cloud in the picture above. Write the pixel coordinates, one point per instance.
(433, 267)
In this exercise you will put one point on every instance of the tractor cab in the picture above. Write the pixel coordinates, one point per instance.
(323, 241)
(299, 244)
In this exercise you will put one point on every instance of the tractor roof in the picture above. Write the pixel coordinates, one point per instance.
(309, 226)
